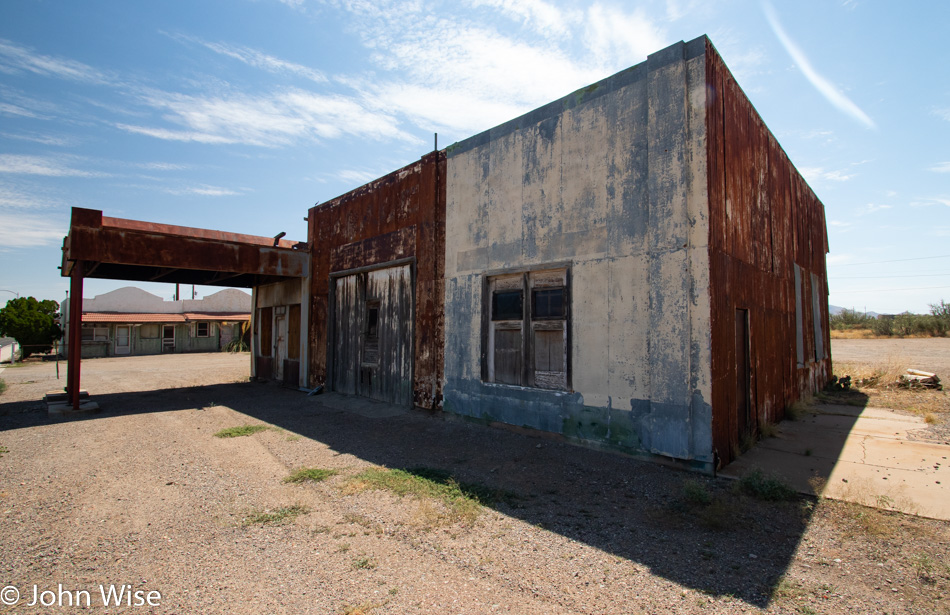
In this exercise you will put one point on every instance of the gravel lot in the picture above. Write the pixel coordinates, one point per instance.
(143, 494)
(931, 354)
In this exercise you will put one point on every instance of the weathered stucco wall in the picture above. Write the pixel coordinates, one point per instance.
(610, 182)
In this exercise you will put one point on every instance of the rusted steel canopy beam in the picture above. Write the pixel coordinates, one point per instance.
(119, 249)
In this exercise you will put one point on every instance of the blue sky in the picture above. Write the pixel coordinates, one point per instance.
(240, 115)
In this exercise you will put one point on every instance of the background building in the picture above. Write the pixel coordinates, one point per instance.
(131, 321)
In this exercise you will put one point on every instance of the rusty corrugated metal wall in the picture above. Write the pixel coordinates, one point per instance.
(396, 217)
(763, 220)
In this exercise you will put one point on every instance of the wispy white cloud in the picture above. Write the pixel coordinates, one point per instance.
(357, 177)
(466, 75)
(42, 139)
(542, 17)
(831, 93)
(16, 197)
(19, 230)
(258, 59)
(942, 167)
(270, 120)
(39, 165)
(16, 59)
(10, 109)
(161, 166)
(871, 208)
(614, 33)
(203, 190)
(814, 174)
(930, 202)
(942, 114)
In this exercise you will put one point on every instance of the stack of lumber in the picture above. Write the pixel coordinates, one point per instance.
(918, 378)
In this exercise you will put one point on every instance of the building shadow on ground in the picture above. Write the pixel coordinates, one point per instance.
(697, 531)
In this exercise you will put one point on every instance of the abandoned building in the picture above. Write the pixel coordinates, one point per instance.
(131, 321)
(636, 266)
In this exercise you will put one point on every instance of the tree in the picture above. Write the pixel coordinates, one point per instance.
(31, 323)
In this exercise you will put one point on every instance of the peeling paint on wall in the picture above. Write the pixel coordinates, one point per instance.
(672, 206)
(603, 180)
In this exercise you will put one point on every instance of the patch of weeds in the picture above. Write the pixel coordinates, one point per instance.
(293, 437)
(931, 419)
(279, 516)
(363, 521)
(925, 568)
(807, 610)
(393, 591)
(3, 451)
(747, 441)
(869, 521)
(366, 608)
(696, 493)
(343, 548)
(242, 430)
(363, 563)
(800, 408)
(310, 474)
(787, 589)
(768, 430)
(321, 529)
(719, 515)
(764, 486)
(3, 386)
(462, 500)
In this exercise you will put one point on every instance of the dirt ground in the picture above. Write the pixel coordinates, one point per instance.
(930, 354)
(143, 494)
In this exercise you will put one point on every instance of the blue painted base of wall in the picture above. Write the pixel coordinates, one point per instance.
(633, 431)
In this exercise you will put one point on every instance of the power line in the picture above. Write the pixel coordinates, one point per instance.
(884, 290)
(896, 260)
(875, 277)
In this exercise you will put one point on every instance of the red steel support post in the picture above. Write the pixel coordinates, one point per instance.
(75, 335)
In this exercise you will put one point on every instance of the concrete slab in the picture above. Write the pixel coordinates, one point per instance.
(857, 455)
(59, 408)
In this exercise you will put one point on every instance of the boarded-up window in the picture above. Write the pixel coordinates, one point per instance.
(293, 332)
(265, 320)
(148, 332)
(816, 293)
(799, 324)
(95, 334)
(528, 340)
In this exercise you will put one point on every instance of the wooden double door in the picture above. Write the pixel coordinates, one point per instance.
(372, 334)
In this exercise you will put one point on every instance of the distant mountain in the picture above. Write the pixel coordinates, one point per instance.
(834, 309)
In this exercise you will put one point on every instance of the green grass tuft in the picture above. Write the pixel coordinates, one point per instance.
(3, 386)
(696, 493)
(275, 517)
(310, 474)
(463, 500)
(242, 430)
(765, 487)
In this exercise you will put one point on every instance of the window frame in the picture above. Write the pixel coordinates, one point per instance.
(207, 326)
(97, 334)
(528, 281)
